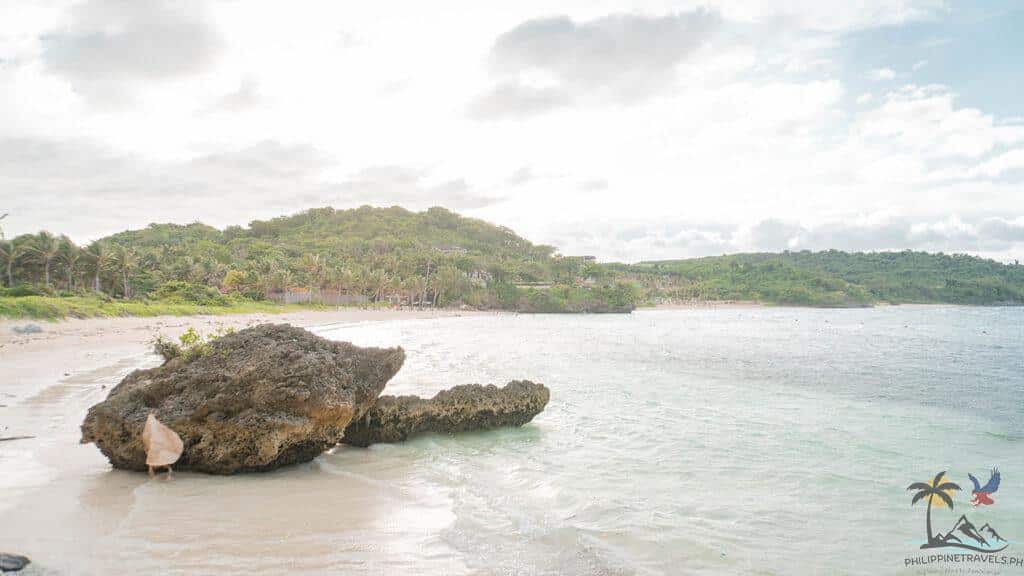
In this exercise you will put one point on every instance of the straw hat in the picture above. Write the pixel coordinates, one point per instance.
(163, 445)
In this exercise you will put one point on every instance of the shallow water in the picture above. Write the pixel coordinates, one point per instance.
(729, 440)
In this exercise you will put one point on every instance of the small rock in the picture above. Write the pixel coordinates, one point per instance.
(28, 329)
(12, 562)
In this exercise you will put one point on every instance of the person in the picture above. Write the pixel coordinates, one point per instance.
(163, 446)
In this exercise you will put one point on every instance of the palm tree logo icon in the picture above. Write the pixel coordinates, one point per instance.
(963, 534)
(935, 490)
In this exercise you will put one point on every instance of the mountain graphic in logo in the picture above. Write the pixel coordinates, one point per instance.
(963, 534)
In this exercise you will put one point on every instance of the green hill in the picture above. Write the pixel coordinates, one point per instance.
(376, 255)
(834, 278)
(392, 256)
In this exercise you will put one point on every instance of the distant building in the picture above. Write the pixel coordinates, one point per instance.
(328, 297)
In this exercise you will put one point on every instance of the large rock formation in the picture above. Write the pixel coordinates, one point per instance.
(255, 400)
(459, 409)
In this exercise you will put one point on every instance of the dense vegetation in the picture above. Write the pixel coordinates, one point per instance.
(375, 255)
(391, 256)
(833, 278)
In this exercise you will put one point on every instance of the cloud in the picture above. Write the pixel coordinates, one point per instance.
(1002, 229)
(83, 189)
(546, 63)
(924, 121)
(647, 240)
(245, 97)
(882, 74)
(108, 45)
(521, 176)
(1009, 161)
(410, 188)
(594, 185)
(515, 100)
(87, 190)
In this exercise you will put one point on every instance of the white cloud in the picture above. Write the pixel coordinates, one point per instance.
(882, 74)
(87, 190)
(628, 131)
(925, 121)
(621, 57)
(104, 45)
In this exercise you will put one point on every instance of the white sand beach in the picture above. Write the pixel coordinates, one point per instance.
(48, 380)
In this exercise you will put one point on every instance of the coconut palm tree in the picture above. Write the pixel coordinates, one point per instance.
(125, 261)
(417, 286)
(283, 279)
(396, 287)
(316, 269)
(100, 258)
(10, 252)
(376, 283)
(71, 257)
(937, 489)
(46, 247)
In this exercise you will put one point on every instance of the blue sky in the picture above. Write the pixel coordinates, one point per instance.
(977, 48)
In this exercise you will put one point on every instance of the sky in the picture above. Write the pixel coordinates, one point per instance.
(623, 129)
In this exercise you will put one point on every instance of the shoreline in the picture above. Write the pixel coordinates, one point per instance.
(699, 304)
(69, 350)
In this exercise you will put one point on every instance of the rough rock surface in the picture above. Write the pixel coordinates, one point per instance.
(254, 400)
(458, 409)
(12, 562)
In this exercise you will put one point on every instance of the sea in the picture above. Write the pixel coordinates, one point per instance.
(721, 440)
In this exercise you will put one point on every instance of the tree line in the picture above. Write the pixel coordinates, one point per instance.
(430, 258)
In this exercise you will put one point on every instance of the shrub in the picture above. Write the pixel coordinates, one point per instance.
(178, 291)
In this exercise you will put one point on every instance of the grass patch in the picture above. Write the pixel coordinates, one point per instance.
(54, 308)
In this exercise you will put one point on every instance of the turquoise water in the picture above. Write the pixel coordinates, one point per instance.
(742, 440)
(705, 441)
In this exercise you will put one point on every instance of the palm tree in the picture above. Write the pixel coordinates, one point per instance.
(396, 287)
(10, 251)
(71, 257)
(100, 259)
(46, 247)
(283, 279)
(937, 489)
(316, 266)
(1, 228)
(125, 261)
(417, 286)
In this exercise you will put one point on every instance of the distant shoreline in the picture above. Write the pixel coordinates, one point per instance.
(702, 304)
(694, 304)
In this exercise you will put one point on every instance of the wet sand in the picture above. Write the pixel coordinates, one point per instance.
(62, 505)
